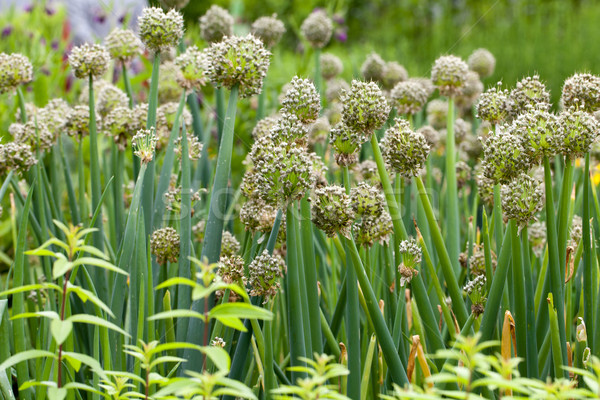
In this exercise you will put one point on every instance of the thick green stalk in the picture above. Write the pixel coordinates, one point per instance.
(563, 215)
(294, 302)
(352, 318)
(520, 311)
(498, 235)
(556, 340)
(21, 101)
(458, 304)
(317, 77)
(556, 279)
(532, 349)
(390, 353)
(588, 288)
(220, 106)
(452, 217)
(118, 193)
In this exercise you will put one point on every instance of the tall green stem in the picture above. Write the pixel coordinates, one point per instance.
(588, 288)
(452, 217)
(520, 311)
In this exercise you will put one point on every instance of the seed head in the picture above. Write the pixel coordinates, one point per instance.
(109, 98)
(409, 97)
(144, 143)
(504, 157)
(367, 200)
(302, 100)
(432, 136)
(485, 186)
(334, 90)
(34, 134)
(365, 108)
(437, 113)
(332, 210)
(522, 199)
(289, 129)
(372, 68)
(372, 229)
(216, 24)
(78, 121)
(264, 126)
(334, 112)
(123, 45)
(15, 156)
(449, 74)
(477, 261)
(426, 83)
(345, 143)
(15, 70)
(581, 91)
(530, 91)
(482, 62)
(331, 66)
(269, 30)
(477, 294)
(393, 73)
(160, 31)
(231, 268)
(192, 67)
(576, 231)
(264, 273)
(164, 244)
(470, 91)
(194, 147)
(540, 132)
(494, 105)
(229, 245)
(411, 258)
(53, 115)
(259, 216)
(89, 60)
(403, 149)
(579, 130)
(368, 170)
(317, 29)
(117, 124)
(167, 113)
(241, 61)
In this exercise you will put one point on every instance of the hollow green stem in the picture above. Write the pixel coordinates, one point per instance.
(452, 216)
(588, 281)
(520, 311)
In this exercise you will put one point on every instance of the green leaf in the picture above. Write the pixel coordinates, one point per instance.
(86, 295)
(93, 320)
(218, 356)
(6, 387)
(165, 359)
(24, 356)
(99, 263)
(176, 281)
(47, 314)
(200, 292)
(177, 314)
(52, 241)
(61, 330)
(232, 322)
(87, 360)
(92, 250)
(240, 310)
(60, 267)
(29, 288)
(55, 393)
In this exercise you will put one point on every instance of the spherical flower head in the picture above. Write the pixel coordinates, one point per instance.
(231, 268)
(483, 62)
(470, 92)
(302, 100)
(284, 173)
(372, 229)
(53, 115)
(393, 73)
(78, 121)
(537, 237)
(116, 124)
(289, 129)
(144, 144)
(372, 68)
(581, 91)
(268, 29)
(540, 133)
(89, 60)
(579, 130)
(332, 211)
(477, 294)
(477, 261)
(264, 273)
(449, 74)
(530, 91)
(437, 113)
(331, 66)
(365, 107)
(15, 70)
(317, 28)
(367, 200)
(123, 45)
(109, 98)
(504, 157)
(164, 244)
(522, 199)
(37, 135)
(494, 105)
(216, 24)
(241, 61)
(368, 170)
(229, 245)
(409, 97)
(426, 83)
(258, 216)
(15, 156)
(411, 258)
(334, 90)
(345, 143)
(160, 31)
(192, 67)
(404, 150)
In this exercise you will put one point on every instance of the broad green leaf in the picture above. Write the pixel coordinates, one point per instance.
(86, 295)
(240, 310)
(176, 281)
(24, 356)
(92, 250)
(83, 386)
(156, 378)
(200, 292)
(174, 346)
(41, 253)
(218, 356)
(232, 322)
(236, 388)
(127, 375)
(29, 288)
(99, 263)
(164, 359)
(87, 360)
(93, 320)
(62, 227)
(177, 314)
(46, 314)
(60, 267)
(52, 241)
(55, 393)
(61, 330)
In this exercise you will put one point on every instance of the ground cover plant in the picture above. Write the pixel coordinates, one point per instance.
(203, 234)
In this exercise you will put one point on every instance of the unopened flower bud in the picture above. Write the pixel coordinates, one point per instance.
(89, 60)
(268, 29)
(482, 62)
(123, 44)
(331, 66)
(449, 74)
(317, 28)
(15, 70)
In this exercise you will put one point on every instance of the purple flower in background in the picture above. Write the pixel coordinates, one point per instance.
(54, 45)
(7, 31)
(28, 8)
(50, 10)
(341, 35)
(338, 19)
(122, 19)
(100, 17)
